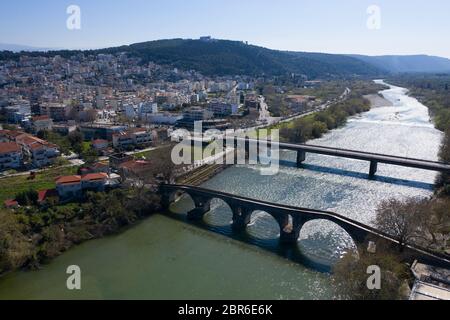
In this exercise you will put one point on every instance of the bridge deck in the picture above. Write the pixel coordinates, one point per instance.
(320, 214)
(353, 154)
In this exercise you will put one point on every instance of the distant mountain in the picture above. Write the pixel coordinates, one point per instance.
(19, 48)
(224, 57)
(405, 64)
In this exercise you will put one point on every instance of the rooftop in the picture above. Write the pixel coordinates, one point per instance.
(68, 179)
(94, 176)
(7, 147)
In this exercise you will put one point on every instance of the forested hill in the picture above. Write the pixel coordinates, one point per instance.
(224, 57)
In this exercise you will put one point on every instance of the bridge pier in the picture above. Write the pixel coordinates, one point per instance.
(373, 168)
(290, 230)
(289, 237)
(202, 206)
(301, 157)
(291, 220)
(241, 218)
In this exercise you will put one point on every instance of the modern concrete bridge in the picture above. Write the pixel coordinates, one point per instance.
(289, 218)
(373, 158)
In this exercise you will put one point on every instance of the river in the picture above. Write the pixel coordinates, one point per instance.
(166, 258)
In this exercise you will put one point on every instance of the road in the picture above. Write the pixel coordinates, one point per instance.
(265, 114)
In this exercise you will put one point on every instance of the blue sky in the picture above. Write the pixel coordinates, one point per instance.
(336, 26)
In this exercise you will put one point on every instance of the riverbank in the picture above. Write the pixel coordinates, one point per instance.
(377, 101)
(35, 234)
(318, 123)
(200, 264)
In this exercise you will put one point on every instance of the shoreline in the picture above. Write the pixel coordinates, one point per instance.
(378, 101)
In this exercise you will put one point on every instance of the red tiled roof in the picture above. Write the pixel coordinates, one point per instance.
(11, 203)
(10, 133)
(37, 118)
(68, 179)
(7, 147)
(33, 142)
(136, 130)
(99, 165)
(44, 194)
(135, 163)
(94, 176)
(98, 141)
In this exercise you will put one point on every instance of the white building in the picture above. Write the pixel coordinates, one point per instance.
(41, 152)
(148, 107)
(132, 138)
(10, 155)
(130, 111)
(197, 114)
(164, 118)
(123, 140)
(142, 138)
(40, 123)
(222, 109)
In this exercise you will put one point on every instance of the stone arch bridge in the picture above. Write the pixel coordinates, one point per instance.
(289, 218)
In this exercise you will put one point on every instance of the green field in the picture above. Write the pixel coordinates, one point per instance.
(11, 186)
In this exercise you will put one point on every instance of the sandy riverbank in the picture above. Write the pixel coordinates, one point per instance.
(377, 101)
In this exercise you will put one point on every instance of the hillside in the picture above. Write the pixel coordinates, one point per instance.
(224, 57)
(405, 64)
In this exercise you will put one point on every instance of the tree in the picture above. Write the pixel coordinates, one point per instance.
(444, 156)
(62, 142)
(351, 275)
(90, 155)
(405, 220)
(76, 140)
(15, 249)
(76, 137)
(438, 222)
(163, 167)
(27, 198)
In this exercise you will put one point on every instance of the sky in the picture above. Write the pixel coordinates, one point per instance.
(334, 26)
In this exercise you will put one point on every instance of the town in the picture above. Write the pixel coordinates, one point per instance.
(94, 109)
(209, 151)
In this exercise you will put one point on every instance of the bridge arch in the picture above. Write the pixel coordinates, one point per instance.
(286, 216)
(325, 241)
(263, 225)
(178, 201)
(220, 213)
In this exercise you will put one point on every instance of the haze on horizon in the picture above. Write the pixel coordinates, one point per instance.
(406, 26)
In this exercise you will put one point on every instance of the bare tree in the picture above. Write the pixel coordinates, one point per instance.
(443, 179)
(403, 219)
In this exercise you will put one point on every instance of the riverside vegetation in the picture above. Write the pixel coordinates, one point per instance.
(317, 124)
(424, 222)
(34, 233)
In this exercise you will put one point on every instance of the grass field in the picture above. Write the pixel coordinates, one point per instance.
(11, 186)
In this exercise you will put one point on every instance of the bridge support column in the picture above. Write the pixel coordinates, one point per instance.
(301, 157)
(373, 168)
(165, 201)
(202, 206)
(241, 218)
(290, 232)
